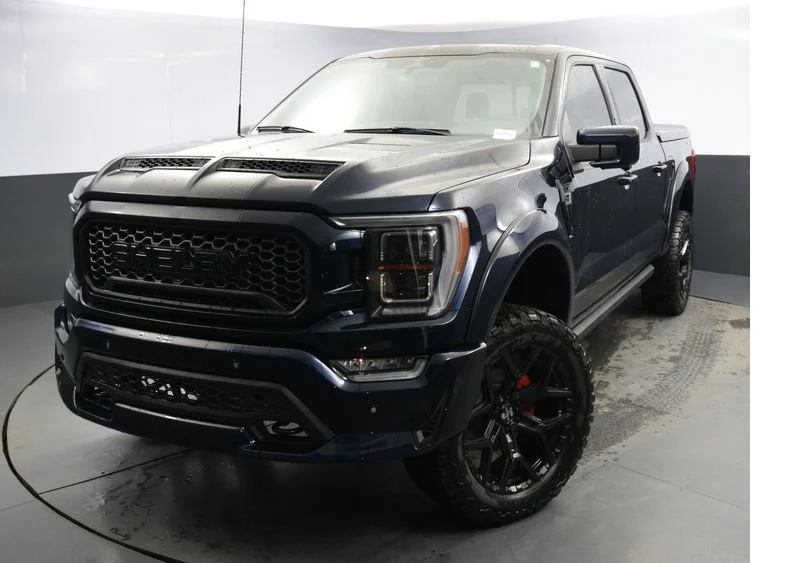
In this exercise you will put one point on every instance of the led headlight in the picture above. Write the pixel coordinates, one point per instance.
(407, 265)
(414, 262)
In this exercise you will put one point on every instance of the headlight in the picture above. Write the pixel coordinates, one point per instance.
(414, 262)
(74, 198)
(74, 203)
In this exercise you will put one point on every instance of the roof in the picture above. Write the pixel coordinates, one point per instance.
(473, 49)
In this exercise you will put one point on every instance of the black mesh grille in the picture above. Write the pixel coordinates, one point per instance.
(314, 169)
(198, 268)
(103, 383)
(162, 162)
(98, 397)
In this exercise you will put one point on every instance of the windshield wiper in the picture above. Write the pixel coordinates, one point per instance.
(282, 129)
(401, 131)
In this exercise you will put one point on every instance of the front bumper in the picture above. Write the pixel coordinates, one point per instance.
(280, 403)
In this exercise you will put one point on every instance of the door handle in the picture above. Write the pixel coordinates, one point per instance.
(659, 168)
(627, 180)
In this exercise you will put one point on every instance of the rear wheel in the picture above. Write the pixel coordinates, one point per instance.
(667, 291)
(527, 431)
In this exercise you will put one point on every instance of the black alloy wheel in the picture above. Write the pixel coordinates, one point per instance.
(526, 432)
(686, 262)
(518, 430)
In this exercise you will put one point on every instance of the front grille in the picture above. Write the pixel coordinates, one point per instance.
(271, 416)
(147, 163)
(249, 272)
(313, 169)
(104, 381)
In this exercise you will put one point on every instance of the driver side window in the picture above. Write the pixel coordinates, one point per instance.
(585, 104)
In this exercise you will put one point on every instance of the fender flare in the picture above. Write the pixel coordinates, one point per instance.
(506, 260)
(681, 180)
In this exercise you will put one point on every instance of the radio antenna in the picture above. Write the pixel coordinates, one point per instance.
(241, 66)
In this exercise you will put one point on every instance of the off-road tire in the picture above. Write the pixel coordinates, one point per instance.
(667, 291)
(445, 474)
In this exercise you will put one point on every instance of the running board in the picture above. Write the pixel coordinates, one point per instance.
(608, 305)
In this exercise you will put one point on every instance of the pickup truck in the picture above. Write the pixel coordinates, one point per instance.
(397, 262)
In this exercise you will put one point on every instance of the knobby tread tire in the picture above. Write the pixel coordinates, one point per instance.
(444, 474)
(661, 293)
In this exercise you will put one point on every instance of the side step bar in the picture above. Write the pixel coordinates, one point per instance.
(607, 306)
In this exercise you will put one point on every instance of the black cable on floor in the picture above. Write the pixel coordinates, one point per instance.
(58, 511)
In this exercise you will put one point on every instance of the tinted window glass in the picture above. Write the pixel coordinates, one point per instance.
(627, 106)
(585, 105)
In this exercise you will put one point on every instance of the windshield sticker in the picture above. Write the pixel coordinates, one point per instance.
(506, 134)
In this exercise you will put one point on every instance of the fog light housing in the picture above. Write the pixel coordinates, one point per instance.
(380, 369)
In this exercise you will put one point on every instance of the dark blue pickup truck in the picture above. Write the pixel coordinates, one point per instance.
(396, 262)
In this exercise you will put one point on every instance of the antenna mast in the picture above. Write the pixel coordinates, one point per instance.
(241, 66)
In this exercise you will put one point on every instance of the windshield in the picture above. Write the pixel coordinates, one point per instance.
(495, 95)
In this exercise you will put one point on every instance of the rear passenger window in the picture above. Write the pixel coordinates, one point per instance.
(585, 105)
(627, 105)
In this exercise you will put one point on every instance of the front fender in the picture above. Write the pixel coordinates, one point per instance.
(532, 230)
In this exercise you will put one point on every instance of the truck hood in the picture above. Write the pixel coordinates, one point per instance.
(373, 173)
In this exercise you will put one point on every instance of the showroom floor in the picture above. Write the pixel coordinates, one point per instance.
(665, 477)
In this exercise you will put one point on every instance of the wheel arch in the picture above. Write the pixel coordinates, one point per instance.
(682, 198)
(509, 270)
(686, 197)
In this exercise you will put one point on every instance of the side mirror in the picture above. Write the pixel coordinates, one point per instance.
(611, 146)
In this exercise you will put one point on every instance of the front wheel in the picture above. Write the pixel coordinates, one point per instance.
(527, 431)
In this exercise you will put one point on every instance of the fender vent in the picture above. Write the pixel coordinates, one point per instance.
(148, 163)
(313, 169)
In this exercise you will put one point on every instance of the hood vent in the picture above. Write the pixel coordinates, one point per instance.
(148, 163)
(312, 169)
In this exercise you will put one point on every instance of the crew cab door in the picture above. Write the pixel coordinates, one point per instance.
(651, 172)
(602, 206)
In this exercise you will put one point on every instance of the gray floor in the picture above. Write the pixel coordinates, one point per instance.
(29, 530)
(666, 476)
(721, 287)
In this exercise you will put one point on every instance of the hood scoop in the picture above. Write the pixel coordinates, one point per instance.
(138, 164)
(308, 169)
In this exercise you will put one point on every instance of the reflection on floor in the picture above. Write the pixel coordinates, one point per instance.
(665, 477)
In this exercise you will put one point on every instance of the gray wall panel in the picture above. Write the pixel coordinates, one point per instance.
(721, 214)
(35, 237)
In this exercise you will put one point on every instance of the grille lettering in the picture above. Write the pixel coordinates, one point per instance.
(182, 261)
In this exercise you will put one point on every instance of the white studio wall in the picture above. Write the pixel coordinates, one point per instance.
(83, 84)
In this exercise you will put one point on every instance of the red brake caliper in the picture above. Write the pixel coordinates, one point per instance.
(523, 383)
